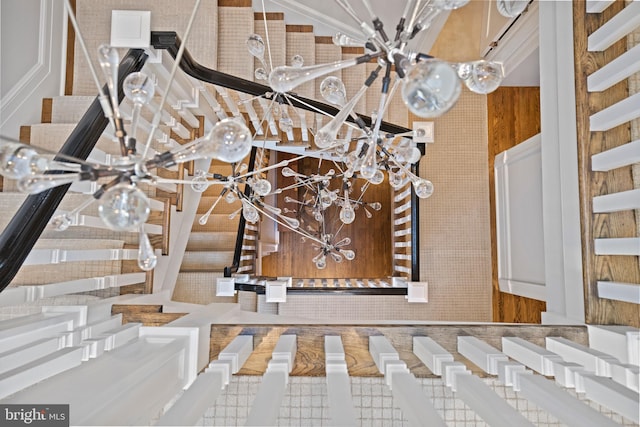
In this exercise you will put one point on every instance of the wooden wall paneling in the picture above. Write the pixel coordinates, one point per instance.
(617, 224)
(514, 116)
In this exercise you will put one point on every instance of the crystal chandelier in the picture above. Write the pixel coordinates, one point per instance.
(428, 86)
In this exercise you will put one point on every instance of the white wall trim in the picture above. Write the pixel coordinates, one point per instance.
(38, 72)
(519, 41)
(519, 229)
(20, 104)
(561, 208)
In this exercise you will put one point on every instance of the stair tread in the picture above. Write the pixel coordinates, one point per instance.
(199, 288)
(206, 260)
(216, 223)
(69, 109)
(205, 241)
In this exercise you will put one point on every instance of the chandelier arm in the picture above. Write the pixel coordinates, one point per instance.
(171, 42)
(102, 96)
(382, 104)
(392, 92)
(414, 15)
(308, 236)
(300, 183)
(155, 122)
(403, 19)
(266, 31)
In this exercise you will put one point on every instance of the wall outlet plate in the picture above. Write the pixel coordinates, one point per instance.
(423, 132)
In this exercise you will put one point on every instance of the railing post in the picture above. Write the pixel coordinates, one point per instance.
(415, 222)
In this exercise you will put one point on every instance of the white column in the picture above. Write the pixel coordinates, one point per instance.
(204, 391)
(493, 409)
(612, 395)
(566, 408)
(406, 390)
(431, 353)
(338, 383)
(410, 397)
(622, 342)
(560, 193)
(266, 404)
(534, 356)
(592, 360)
(480, 353)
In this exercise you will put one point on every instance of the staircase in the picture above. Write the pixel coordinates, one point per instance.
(210, 247)
(220, 44)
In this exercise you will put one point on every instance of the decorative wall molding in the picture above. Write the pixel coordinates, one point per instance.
(21, 103)
(519, 226)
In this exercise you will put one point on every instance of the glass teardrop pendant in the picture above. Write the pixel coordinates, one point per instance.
(249, 212)
(61, 222)
(423, 188)
(481, 76)
(336, 256)
(511, 8)
(348, 254)
(297, 61)
(431, 88)
(255, 45)
(284, 78)
(369, 164)
(199, 183)
(291, 222)
(204, 218)
(124, 207)
(38, 183)
(147, 258)
(333, 91)
(261, 187)
(328, 133)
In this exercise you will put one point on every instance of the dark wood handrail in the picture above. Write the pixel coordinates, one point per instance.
(237, 251)
(170, 41)
(261, 290)
(24, 229)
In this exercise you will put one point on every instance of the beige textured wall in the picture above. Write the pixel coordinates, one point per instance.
(94, 18)
(455, 245)
(458, 40)
(455, 241)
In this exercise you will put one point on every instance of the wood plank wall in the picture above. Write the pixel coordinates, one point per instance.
(514, 116)
(617, 224)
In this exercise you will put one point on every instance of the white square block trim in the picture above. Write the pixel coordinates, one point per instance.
(276, 291)
(417, 292)
(225, 286)
(131, 28)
